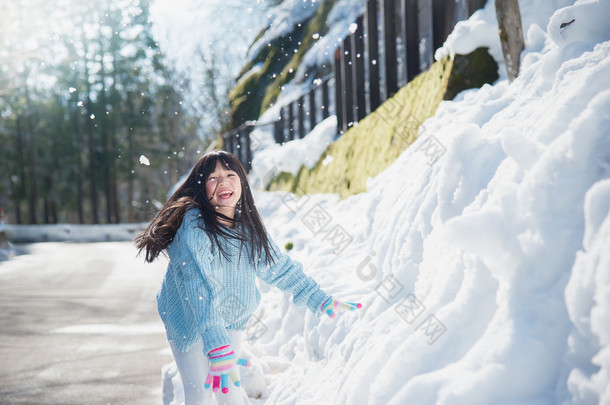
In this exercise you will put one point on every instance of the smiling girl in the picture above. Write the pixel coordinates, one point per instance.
(217, 245)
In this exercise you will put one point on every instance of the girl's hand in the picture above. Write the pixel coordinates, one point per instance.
(223, 364)
(332, 306)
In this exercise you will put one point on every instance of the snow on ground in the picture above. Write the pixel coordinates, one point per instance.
(275, 158)
(71, 233)
(480, 255)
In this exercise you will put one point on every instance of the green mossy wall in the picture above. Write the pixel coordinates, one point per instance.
(366, 150)
(247, 95)
(370, 147)
(316, 25)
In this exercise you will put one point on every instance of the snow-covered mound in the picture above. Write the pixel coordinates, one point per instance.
(274, 158)
(71, 232)
(481, 256)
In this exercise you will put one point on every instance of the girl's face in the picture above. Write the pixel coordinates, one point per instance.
(223, 189)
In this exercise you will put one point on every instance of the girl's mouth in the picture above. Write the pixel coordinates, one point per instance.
(223, 195)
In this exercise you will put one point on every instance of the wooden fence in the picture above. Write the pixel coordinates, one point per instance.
(393, 41)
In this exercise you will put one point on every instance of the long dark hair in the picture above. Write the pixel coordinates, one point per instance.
(247, 224)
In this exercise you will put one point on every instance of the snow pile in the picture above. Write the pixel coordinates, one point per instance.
(481, 30)
(480, 255)
(588, 301)
(477, 285)
(72, 233)
(276, 158)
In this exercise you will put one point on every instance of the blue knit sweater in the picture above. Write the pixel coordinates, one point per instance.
(203, 294)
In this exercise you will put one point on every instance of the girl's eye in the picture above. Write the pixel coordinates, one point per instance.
(211, 178)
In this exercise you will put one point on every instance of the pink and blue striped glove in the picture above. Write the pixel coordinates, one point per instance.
(332, 306)
(223, 364)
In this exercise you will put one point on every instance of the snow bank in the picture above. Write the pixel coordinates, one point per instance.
(588, 303)
(480, 255)
(477, 285)
(72, 233)
(276, 158)
(481, 30)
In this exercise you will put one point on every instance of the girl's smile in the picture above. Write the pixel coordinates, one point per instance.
(223, 189)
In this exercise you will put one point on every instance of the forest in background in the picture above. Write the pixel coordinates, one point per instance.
(84, 92)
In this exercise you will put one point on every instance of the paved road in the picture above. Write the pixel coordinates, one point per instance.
(78, 325)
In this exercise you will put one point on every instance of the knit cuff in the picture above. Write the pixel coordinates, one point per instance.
(215, 337)
(316, 300)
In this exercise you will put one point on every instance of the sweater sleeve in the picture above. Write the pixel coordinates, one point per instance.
(199, 283)
(288, 275)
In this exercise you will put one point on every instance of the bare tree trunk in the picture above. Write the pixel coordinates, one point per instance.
(113, 189)
(47, 199)
(131, 156)
(511, 35)
(79, 167)
(106, 143)
(91, 142)
(22, 186)
(32, 158)
(16, 200)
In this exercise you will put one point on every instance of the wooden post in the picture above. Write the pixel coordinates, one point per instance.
(372, 47)
(290, 122)
(348, 100)
(461, 12)
(511, 35)
(338, 90)
(237, 145)
(248, 163)
(425, 22)
(278, 128)
(312, 109)
(410, 33)
(358, 68)
(391, 61)
(242, 145)
(301, 116)
(228, 142)
(474, 5)
(442, 21)
(242, 148)
(325, 100)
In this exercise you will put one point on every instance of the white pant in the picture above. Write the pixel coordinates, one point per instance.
(193, 367)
